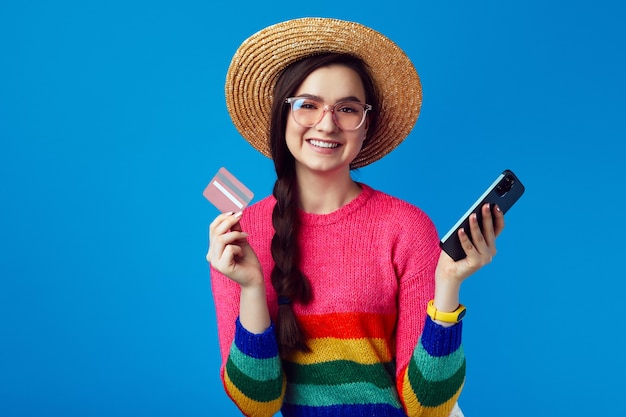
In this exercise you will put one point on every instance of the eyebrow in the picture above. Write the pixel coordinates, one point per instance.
(313, 96)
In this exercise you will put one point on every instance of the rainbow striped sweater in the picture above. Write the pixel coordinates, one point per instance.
(374, 352)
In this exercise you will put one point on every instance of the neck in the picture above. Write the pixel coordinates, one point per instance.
(327, 192)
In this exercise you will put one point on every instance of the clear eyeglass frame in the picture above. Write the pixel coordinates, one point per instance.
(323, 109)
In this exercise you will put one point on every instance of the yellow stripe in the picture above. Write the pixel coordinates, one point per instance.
(250, 407)
(363, 351)
(414, 407)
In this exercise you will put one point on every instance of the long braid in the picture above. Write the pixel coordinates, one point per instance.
(290, 284)
(287, 279)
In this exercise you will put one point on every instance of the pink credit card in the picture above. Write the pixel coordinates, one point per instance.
(227, 193)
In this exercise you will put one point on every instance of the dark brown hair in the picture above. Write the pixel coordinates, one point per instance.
(288, 280)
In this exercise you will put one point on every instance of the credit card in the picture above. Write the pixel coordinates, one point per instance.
(227, 193)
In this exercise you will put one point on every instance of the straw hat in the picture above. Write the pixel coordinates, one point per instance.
(260, 59)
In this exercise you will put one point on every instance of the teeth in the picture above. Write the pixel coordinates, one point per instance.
(321, 144)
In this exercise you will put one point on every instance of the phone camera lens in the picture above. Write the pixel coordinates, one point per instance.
(505, 185)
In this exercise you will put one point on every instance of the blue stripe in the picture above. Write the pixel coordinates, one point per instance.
(439, 340)
(353, 410)
(259, 346)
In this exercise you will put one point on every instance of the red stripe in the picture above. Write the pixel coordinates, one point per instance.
(348, 325)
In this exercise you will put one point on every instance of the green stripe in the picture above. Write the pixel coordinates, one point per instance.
(438, 368)
(252, 388)
(353, 393)
(340, 372)
(259, 369)
(435, 393)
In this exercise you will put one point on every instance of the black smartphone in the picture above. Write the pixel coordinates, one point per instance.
(504, 192)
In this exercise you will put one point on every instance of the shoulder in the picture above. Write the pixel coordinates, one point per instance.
(395, 210)
(406, 224)
(414, 237)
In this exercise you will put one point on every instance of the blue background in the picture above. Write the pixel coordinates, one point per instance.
(113, 120)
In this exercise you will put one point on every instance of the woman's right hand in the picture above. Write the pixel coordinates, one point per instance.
(230, 253)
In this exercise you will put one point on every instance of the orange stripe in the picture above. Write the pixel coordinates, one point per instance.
(348, 325)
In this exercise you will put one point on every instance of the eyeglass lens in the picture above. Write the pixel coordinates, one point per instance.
(348, 115)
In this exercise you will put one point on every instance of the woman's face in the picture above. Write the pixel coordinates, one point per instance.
(324, 147)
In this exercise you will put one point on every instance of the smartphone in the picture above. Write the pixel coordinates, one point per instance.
(504, 192)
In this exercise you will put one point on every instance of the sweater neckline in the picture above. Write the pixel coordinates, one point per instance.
(311, 219)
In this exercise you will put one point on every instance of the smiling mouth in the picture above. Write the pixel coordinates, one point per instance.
(322, 144)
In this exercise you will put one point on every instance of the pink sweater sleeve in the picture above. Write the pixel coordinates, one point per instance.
(226, 292)
(415, 267)
(226, 299)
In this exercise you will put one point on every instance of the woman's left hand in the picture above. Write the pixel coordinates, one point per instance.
(450, 274)
(479, 253)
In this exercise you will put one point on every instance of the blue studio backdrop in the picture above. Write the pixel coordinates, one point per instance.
(113, 120)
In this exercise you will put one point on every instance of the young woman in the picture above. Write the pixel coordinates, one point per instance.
(332, 298)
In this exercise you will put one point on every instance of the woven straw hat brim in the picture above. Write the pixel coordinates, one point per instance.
(261, 58)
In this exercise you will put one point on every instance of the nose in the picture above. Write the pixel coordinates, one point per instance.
(327, 122)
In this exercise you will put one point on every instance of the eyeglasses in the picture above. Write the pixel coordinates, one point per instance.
(347, 115)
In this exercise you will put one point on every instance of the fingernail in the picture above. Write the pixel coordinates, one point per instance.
(239, 214)
(498, 209)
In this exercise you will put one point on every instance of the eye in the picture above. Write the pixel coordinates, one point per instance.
(349, 107)
(307, 104)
